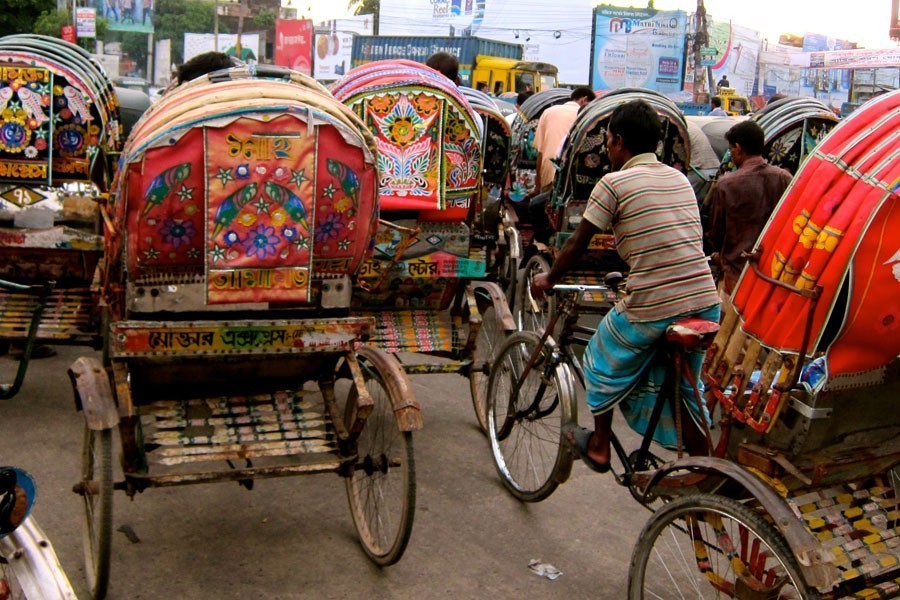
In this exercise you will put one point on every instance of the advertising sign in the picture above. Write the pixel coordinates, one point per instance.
(559, 31)
(67, 32)
(737, 55)
(334, 55)
(895, 20)
(126, 15)
(85, 22)
(293, 44)
(638, 47)
(198, 43)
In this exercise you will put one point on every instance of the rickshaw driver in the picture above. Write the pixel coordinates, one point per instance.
(654, 216)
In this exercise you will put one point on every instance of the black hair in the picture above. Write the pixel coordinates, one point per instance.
(446, 63)
(638, 125)
(716, 102)
(522, 97)
(749, 136)
(204, 63)
(582, 92)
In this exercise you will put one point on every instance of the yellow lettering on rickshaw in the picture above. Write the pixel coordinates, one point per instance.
(243, 279)
(260, 147)
(28, 74)
(17, 170)
(80, 167)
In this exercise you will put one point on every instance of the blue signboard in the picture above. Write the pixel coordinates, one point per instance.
(638, 47)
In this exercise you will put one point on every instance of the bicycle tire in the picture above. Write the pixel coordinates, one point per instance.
(490, 337)
(528, 448)
(706, 537)
(97, 495)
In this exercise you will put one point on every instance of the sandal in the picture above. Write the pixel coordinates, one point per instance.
(578, 438)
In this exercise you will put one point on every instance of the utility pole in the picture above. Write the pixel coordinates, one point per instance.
(701, 39)
(216, 27)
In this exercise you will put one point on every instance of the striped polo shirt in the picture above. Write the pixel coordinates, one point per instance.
(656, 223)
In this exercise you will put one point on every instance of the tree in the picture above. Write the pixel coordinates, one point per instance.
(18, 16)
(364, 7)
(265, 19)
(50, 23)
(174, 18)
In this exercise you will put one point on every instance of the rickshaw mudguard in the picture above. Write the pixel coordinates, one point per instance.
(93, 394)
(498, 299)
(406, 407)
(816, 566)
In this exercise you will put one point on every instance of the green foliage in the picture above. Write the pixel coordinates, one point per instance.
(50, 22)
(174, 18)
(364, 7)
(18, 16)
(265, 19)
(134, 44)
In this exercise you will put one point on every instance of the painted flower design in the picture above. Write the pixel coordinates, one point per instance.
(289, 233)
(176, 232)
(31, 152)
(231, 237)
(329, 228)
(381, 104)
(279, 217)
(456, 130)
(402, 124)
(261, 242)
(402, 131)
(343, 204)
(425, 104)
(242, 171)
(247, 219)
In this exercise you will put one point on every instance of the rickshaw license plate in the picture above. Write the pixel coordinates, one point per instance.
(143, 338)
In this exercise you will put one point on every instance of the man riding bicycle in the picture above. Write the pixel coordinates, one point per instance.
(656, 222)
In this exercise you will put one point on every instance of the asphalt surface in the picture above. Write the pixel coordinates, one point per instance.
(294, 537)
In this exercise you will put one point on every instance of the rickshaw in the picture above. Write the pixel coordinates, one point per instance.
(231, 350)
(59, 129)
(583, 163)
(797, 497)
(424, 284)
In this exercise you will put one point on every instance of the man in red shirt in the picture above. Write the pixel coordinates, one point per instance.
(741, 201)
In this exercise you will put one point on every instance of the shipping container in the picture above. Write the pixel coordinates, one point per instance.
(368, 48)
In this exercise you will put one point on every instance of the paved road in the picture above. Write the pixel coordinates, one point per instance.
(294, 537)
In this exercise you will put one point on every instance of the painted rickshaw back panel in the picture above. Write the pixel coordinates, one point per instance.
(429, 157)
(253, 189)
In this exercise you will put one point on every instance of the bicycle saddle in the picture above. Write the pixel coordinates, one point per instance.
(691, 332)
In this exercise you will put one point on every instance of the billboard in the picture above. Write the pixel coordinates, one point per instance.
(198, 43)
(638, 47)
(737, 55)
(558, 33)
(85, 22)
(293, 44)
(895, 20)
(126, 15)
(334, 45)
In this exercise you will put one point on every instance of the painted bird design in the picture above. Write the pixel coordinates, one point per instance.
(162, 184)
(347, 178)
(31, 102)
(76, 103)
(289, 201)
(232, 205)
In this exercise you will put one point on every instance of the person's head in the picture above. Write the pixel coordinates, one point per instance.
(482, 87)
(445, 63)
(522, 97)
(634, 128)
(716, 102)
(202, 64)
(745, 140)
(582, 95)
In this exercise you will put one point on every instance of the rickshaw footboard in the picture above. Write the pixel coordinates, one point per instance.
(69, 316)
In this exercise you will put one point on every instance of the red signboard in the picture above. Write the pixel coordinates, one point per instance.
(293, 44)
(68, 33)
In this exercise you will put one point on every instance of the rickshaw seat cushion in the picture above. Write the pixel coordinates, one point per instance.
(691, 332)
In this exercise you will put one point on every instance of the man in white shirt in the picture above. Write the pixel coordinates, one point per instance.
(551, 132)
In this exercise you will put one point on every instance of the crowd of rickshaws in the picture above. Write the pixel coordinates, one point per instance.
(264, 261)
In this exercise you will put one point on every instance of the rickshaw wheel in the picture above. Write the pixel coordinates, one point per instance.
(490, 338)
(382, 487)
(532, 314)
(509, 270)
(526, 427)
(97, 493)
(736, 554)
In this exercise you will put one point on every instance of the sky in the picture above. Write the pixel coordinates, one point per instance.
(866, 22)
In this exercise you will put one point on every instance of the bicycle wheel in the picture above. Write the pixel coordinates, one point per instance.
(708, 546)
(96, 489)
(509, 269)
(382, 487)
(525, 424)
(490, 338)
(532, 314)
(29, 567)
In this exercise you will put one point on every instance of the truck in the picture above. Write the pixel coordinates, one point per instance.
(495, 64)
